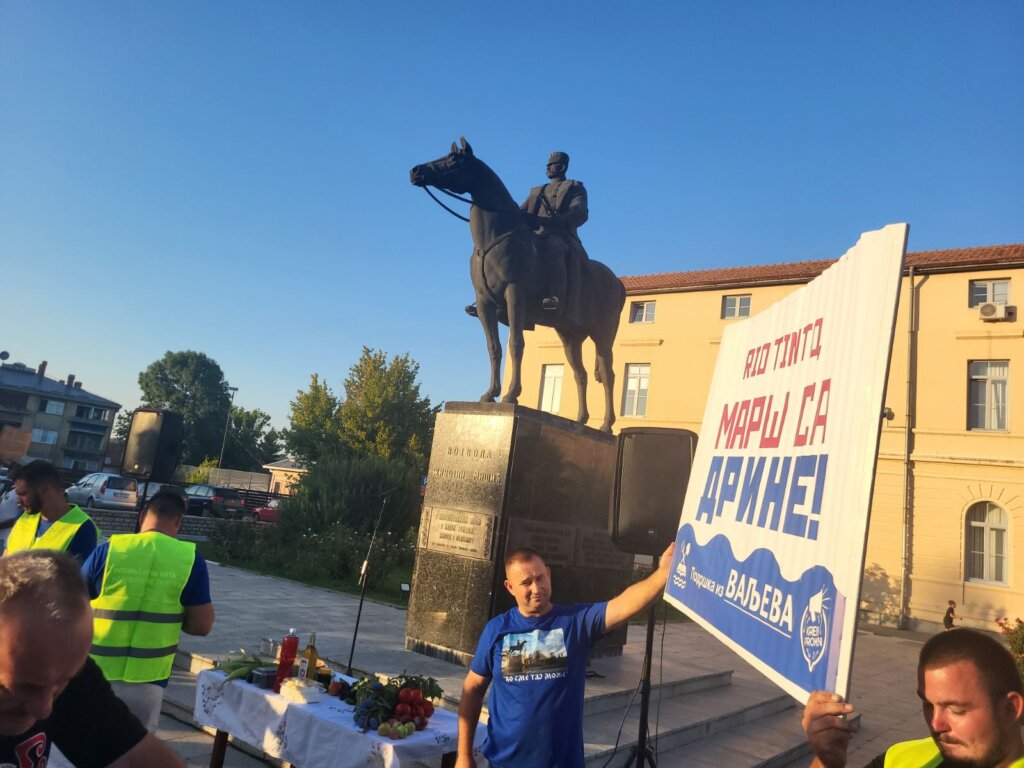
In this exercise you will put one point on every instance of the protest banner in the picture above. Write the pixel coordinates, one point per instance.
(770, 547)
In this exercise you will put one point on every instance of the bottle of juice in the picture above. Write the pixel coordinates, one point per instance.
(289, 647)
(310, 656)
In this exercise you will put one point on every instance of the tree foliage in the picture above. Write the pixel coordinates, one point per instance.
(383, 414)
(122, 426)
(193, 385)
(251, 441)
(313, 425)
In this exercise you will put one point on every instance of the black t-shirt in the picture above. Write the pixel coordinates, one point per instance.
(92, 727)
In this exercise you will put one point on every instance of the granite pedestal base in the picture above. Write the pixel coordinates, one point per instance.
(501, 477)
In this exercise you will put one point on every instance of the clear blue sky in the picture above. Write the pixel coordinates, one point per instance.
(232, 177)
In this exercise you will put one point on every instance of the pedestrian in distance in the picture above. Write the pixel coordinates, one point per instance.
(973, 700)
(947, 620)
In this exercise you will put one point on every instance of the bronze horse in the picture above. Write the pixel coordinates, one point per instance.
(508, 277)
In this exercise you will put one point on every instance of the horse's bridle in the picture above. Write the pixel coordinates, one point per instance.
(426, 188)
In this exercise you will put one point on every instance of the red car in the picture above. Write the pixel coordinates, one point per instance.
(267, 514)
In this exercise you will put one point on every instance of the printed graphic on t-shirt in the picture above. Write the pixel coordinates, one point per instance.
(534, 655)
(31, 752)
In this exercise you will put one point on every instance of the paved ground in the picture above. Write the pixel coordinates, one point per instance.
(250, 607)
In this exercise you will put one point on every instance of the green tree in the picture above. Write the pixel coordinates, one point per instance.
(251, 442)
(313, 424)
(383, 413)
(201, 473)
(193, 385)
(122, 426)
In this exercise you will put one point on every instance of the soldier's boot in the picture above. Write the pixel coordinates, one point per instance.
(471, 310)
(550, 304)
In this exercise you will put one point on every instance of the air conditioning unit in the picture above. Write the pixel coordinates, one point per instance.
(991, 311)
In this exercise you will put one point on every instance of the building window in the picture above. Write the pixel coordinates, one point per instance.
(986, 543)
(551, 388)
(641, 312)
(634, 396)
(83, 441)
(988, 290)
(88, 412)
(736, 306)
(55, 407)
(44, 436)
(986, 395)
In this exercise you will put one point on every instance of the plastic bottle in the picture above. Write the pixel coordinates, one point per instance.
(289, 647)
(310, 657)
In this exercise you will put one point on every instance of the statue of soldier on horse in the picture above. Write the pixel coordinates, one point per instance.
(529, 268)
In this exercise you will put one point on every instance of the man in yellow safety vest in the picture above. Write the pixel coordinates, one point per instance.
(973, 700)
(48, 521)
(147, 589)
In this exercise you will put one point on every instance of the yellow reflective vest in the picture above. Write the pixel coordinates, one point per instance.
(58, 536)
(138, 613)
(922, 753)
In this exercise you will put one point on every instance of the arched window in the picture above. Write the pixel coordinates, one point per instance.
(986, 542)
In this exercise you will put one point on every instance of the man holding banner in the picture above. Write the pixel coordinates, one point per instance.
(973, 700)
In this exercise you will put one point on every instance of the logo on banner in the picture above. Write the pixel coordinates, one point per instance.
(679, 578)
(814, 629)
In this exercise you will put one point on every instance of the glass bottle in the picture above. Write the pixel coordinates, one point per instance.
(289, 647)
(310, 656)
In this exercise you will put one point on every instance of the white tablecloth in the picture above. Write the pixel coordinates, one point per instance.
(320, 735)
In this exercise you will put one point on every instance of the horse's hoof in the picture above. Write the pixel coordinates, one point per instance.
(488, 398)
(514, 400)
(606, 428)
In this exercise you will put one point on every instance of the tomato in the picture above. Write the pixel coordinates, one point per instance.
(428, 707)
(417, 711)
(405, 695)
(417, 696)
(421, 723)
(402, 710)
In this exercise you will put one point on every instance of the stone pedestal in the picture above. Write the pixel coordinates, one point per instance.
(501, 477)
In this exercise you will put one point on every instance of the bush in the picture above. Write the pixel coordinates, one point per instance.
(1014, 634)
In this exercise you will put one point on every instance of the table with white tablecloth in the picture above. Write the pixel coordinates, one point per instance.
(317, 735)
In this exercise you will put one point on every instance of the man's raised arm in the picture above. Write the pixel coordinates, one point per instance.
(638, 596)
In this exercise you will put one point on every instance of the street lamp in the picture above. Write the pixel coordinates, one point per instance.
(227, 421)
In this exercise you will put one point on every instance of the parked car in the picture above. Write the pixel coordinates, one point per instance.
(215, 501)
(103, 490)
(267, 514)
(154, 488)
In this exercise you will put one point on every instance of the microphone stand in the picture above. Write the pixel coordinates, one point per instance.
(642, 752)
(363, 578)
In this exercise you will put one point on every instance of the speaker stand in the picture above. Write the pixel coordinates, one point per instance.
(642, 754)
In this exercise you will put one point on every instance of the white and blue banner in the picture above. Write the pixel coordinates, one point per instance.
(770, 548)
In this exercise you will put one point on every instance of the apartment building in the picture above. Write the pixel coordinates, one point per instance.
(947, 520)
(58, 421)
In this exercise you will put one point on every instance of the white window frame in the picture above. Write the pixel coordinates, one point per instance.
(551, 379)
(996, 289)
(735, 305)
(993, 535)
(991, 387)
(641, 312)
(52, 407)
(45, 436)
(636, 390)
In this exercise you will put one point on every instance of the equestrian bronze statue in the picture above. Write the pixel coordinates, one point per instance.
(514, 272)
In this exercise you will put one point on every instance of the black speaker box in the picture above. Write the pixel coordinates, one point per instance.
(651, 473)
(154, 445)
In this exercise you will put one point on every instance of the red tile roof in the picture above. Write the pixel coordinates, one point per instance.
(804, 271)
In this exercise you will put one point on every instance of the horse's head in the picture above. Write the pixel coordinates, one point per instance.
(450, 172)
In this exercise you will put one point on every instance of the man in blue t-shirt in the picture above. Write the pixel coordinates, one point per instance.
(536, 654)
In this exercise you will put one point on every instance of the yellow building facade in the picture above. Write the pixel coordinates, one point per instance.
(947, 518)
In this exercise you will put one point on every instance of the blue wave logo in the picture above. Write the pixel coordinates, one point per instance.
(679, 577)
